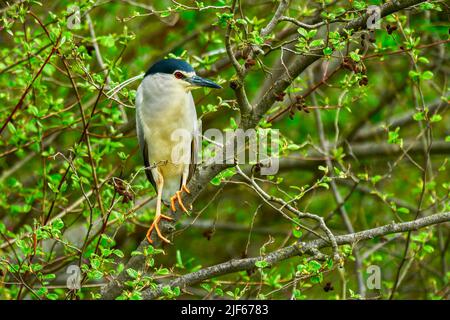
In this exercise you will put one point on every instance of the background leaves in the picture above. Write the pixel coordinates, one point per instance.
(72, 189)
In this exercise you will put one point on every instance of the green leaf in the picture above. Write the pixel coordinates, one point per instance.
(312, 33)
(314, 266)
(413, 74)
(317, 43)
(206, 286)
(118, 253)
(359, 5)
(427, 75)
(122, 155)
(95, 275)
(219, 292)
(423, 60)
(179, 260)
(224, 18)
(355, 56)
(108, 41)
(52, 296)
(303, 32)
(324, 185)
(257, 39)
(436, 118)
(316, 279)
(403, 210)
(11, 128)
(418, 116)
(293, 147)
(296, 232)
(327, 51)
(375, 179)
(58, 224)
(33, 110)
(136, 295)
(176, 291)
(261, 264)
(132, 273)
(162, 271)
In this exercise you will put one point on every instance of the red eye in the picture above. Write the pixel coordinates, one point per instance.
(179, 75)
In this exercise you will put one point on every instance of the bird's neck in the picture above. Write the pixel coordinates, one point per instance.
(168, 91)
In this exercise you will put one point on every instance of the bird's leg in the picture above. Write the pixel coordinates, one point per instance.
(158, 216)
(177, 196)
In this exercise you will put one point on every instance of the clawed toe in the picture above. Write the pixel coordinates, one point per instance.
(155, 226)
(185, 189)
(180, 202)
(177, 198)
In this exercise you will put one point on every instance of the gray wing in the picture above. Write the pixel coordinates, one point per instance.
(194, 144)
(142, 142)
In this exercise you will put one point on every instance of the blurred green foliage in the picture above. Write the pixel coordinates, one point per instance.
(55, 212)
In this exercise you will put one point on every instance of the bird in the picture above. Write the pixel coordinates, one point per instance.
(165, 106)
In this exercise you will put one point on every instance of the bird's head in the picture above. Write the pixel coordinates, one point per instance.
(176, 72)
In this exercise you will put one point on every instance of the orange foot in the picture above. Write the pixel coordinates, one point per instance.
(156, 227)
(177, 197)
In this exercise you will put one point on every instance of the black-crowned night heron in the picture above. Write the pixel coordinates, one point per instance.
(164, 105)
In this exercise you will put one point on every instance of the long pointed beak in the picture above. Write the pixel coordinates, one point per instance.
(201, 82)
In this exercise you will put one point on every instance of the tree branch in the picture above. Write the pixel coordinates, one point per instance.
(299, 65)
(296, 249)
